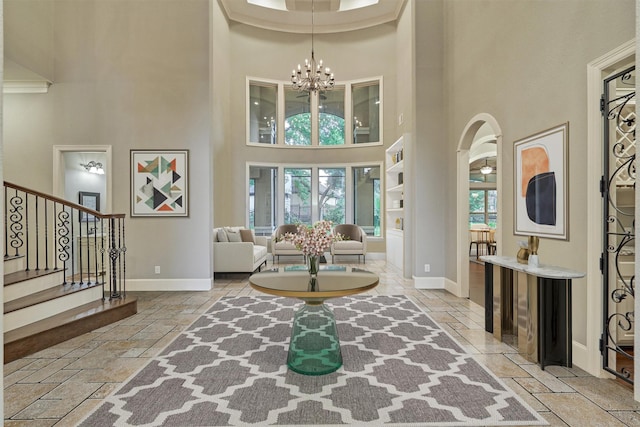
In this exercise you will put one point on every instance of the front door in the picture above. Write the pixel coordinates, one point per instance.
(618, 191)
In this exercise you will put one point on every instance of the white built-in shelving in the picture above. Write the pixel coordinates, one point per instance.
(394, 203)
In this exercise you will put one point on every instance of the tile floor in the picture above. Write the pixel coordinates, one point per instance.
(60, 385)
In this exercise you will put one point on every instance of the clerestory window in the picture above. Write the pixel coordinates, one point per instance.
(348, 115)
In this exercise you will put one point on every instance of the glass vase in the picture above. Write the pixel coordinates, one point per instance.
(313, 265)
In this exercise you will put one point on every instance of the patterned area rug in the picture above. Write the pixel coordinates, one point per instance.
(229, 368)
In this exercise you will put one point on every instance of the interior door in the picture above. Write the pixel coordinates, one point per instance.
(618, 191)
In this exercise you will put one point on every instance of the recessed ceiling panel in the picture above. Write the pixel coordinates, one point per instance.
(330, 16)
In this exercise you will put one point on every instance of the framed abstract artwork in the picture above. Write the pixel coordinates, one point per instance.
(159, 183)
(540, 188)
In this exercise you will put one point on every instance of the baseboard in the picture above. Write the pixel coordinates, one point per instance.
(429, 282)
(580, 358)
(205, 284)
(452, 287)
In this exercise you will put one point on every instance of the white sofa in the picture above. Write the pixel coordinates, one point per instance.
(233, 255)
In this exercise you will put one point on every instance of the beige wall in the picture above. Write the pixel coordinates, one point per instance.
(432, 173)
(272, 55)
(220, 112)
(171, 74)
(29, 38)
(524, 62)
(127, 74)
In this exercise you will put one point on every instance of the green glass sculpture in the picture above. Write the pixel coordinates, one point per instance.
(314, 348)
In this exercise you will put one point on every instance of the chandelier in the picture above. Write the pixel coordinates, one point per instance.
(314, 77)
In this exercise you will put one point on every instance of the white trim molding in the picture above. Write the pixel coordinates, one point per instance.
(462, 206)
(204, 284)
(588, 355)
(429, 282)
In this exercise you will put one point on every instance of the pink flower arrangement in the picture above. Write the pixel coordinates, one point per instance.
(313, 240)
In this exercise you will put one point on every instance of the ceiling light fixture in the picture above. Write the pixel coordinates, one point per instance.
(486, 169)
(94, 167)
(315, 77)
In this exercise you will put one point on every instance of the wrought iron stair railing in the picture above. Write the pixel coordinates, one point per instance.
(53, 234)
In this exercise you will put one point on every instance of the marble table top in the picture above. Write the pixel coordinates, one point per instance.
(542, 270)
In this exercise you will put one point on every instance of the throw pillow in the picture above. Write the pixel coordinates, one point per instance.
(233, 235)
(247, 236)
(222, 235)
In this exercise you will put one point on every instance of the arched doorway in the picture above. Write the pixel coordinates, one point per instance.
(470, 135)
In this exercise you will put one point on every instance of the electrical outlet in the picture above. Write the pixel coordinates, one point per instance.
(157, 269)
(427, 268)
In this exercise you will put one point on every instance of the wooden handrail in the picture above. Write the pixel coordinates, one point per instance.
(55, 199)
(55, 234)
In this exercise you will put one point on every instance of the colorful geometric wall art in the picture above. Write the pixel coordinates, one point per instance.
(541, 170)
(159, 182)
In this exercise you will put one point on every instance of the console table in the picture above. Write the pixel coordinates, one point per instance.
(532, 305)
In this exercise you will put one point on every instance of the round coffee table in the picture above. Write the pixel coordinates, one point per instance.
(314, 348)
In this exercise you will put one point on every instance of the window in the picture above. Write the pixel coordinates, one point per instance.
(366, 190)
(331, 194)
(263, 186)
(331, 117)
(483, 207)
(366, 112)
(263, 101)
(297, 118)
(292, 194)
(297, 196)
(348, 115)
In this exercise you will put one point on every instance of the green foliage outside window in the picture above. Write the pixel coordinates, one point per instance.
(331, 129)
(332, 195)
(482, 207)
(298, 129)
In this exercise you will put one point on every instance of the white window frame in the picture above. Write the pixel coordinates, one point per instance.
(315, 167)
(348, 113)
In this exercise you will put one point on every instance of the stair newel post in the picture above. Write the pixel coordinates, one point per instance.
(62, 235)
(6, 224)
(113, 255)
(123, 259)
(46, 235)
(102, 251)
(37, 239)
(26, 229)
(72, 245)
(95, 249)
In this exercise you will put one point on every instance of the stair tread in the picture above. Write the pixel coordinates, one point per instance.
(22, 276)
(46, 295)
(69, 316)
(12, 257)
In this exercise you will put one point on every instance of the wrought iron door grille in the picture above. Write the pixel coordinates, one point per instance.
(618, 192)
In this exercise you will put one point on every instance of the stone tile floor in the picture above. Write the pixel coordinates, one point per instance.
(60, 385)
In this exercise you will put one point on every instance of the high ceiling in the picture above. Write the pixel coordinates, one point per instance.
(330, 16)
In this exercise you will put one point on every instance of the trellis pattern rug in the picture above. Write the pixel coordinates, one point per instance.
(229, 368)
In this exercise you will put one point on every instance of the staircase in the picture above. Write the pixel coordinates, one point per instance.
(64, 268)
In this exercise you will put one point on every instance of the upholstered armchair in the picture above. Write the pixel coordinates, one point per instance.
(354, 241)
(279, 246)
